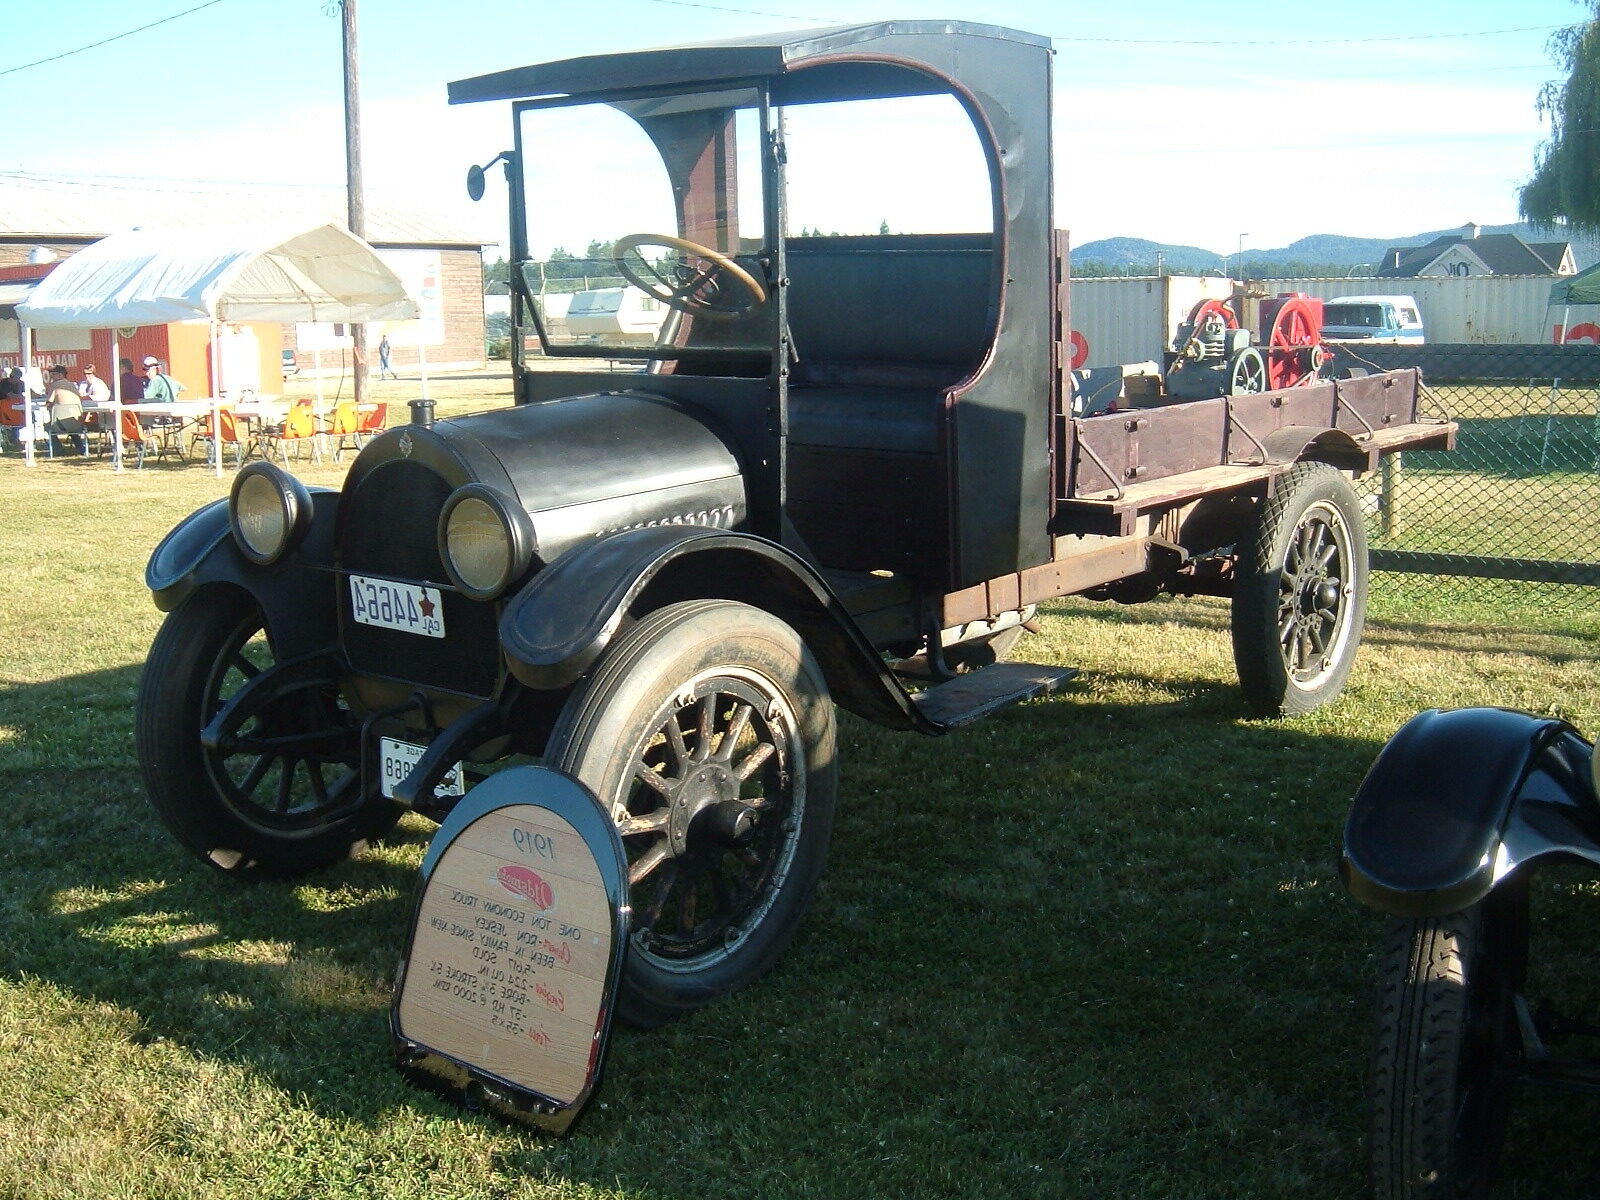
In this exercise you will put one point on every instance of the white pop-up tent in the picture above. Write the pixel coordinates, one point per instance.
(216, 273)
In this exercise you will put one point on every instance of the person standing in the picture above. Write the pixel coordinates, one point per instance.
(384, 369)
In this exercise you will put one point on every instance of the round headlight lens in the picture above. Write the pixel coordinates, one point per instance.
(479, 545)
(261, 519)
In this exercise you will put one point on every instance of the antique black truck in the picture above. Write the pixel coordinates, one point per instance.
(844, 471)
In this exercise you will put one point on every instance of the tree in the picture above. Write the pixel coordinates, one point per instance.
(1565, 185)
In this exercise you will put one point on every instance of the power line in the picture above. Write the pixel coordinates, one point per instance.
(116, 37)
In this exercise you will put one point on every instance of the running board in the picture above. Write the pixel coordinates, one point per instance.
(966, 698)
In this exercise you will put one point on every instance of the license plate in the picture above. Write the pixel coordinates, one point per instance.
(397, 760)
(408, 607)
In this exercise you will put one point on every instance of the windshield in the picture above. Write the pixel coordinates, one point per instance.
(1364, 316)
(648, 231)
(644, 216)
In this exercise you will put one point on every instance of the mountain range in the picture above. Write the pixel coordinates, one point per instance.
(1138, 255)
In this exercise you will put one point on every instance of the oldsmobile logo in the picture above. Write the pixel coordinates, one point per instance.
(406, 444)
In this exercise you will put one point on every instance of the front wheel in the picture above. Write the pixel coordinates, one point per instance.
(278, 797)
(1300, 600)
(1446, 1048)
(707, 732)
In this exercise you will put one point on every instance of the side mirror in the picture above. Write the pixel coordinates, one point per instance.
(476, 182)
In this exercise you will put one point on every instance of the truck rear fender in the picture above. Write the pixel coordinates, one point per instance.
(295, 594)
(1460, 799)
(558, 626)
(1294, 443)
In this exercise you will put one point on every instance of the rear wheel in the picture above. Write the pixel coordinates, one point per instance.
(707, 732)
(1446, 1049)
(1300, 600)
(279, 797)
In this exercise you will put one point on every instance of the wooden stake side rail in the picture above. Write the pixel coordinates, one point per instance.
(1116, 513)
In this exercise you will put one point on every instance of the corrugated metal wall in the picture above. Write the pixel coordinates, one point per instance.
(1133, 320)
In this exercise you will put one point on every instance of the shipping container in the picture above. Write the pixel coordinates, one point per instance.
(1130, 320)
(1117, 321)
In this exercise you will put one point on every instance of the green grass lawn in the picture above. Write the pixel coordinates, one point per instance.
(1092, 947)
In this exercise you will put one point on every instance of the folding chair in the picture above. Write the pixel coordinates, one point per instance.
(230, 436)
(299, 427)
(134, 434)
(371, 422)
(346, 426)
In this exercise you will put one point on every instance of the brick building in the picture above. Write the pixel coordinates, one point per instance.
(440, 263)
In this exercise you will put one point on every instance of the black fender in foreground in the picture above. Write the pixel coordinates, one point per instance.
(296, 594)
(1458, 800)
(558, 626)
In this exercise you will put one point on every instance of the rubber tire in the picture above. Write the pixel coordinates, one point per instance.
(169, 714)
(624, 699)
(1432, 974)
(1264, 677)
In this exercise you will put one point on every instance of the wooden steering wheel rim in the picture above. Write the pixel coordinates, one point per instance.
(675, 300)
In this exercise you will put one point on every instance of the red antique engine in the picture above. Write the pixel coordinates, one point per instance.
(1216, 357)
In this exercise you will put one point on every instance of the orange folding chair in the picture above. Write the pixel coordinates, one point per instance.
(229, 427)
(371, 422)
(346, 426)
(134, 434)
(299, 427)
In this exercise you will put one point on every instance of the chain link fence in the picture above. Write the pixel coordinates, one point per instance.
(1517, 502)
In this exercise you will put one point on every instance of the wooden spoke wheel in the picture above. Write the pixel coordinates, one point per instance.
(707, 732)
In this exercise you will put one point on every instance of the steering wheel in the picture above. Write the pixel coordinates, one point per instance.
(690, 287)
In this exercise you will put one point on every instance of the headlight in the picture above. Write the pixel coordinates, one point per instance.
(270, 511)
(485, 540)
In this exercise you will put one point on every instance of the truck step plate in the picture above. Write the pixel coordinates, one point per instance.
(965, 698)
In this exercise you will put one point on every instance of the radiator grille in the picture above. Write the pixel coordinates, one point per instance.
(388, 529)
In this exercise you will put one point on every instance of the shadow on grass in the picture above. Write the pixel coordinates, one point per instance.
(1079, 945)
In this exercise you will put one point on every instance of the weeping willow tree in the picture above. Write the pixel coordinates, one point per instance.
(1565, 186)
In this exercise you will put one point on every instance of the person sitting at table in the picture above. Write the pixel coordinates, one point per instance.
(132, 383)
(66, 410)
(13, 402)
(159, 388)
(94, 388)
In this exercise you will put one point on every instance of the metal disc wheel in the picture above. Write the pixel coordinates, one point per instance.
(1247, 373)
(282, 794)
(1446, 1049)
(1292, 345)
(1300, 597)
(707, 732)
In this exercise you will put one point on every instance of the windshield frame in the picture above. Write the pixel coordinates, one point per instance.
(769, 258)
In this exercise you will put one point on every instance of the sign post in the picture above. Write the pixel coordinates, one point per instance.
(505, 995)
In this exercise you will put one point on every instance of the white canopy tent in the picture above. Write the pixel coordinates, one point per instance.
(216, 273)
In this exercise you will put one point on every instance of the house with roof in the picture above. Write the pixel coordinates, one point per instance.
(47, 218)
(1473, 252)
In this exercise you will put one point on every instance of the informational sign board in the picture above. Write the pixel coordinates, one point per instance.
(506, 991)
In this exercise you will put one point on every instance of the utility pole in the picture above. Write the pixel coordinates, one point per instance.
(357, 218)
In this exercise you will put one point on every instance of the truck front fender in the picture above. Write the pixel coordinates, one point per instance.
(295, 594)
(1458, 800)
(559, 625)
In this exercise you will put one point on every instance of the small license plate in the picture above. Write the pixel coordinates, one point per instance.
(408, 607)
(397, 760)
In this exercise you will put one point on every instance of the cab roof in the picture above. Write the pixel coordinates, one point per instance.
(902, 51)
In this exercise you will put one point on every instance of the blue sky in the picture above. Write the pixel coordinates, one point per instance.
(1207, 125)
